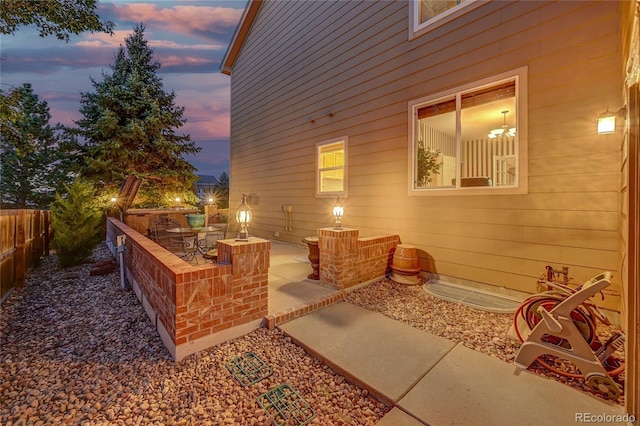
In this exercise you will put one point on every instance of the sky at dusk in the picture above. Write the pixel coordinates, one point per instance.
(189, 39)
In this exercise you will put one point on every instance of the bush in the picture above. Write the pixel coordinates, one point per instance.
(76, 221)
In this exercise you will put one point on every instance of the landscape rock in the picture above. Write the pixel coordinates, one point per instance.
(76, 349)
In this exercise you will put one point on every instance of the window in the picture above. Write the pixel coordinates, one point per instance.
(429, 14)
(331, 165)
(470, 139)
(429, 9)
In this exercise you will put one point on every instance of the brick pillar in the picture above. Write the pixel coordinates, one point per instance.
(249, 270)
(338, 257)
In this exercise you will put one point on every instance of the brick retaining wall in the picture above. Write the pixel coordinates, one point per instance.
(195, 307)
(346, 260)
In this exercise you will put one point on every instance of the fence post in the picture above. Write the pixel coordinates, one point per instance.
(20, 244)
(47, 239)
(37, 238)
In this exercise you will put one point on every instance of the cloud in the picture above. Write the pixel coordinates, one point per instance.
(104, 40)
(207, 22)
(186, 63)
(52, 60)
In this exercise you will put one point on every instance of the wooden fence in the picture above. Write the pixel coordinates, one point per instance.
(24, 239)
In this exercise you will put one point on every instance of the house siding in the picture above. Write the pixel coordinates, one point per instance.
(303, 60)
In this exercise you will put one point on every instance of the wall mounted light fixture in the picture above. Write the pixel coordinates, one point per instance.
(607, 121)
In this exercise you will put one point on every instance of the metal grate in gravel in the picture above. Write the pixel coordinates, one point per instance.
(285, 406)
(248, 368)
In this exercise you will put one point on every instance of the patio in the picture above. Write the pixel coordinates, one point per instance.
(74, 353)
(290, 291)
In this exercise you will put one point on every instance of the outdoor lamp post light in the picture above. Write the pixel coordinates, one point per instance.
(338, 212)
(112, 206)
(243, 216)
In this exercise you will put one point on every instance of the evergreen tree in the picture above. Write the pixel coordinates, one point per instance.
(58, 17)
(34, 155)
(76, 219)
(129, 124)
(222, 191)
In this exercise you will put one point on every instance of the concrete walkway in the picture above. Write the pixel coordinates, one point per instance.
(431, 380)
(288, 283)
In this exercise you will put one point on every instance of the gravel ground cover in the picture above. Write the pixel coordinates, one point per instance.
(76, 349)
(482, 331)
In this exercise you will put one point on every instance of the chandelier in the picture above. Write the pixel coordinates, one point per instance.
(504, 130)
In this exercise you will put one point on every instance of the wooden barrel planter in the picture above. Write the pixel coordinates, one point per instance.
(405, 267)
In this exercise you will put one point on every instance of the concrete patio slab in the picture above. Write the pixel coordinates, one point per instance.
(382, 355)
(288, 283)
(292, 270)
(397, 417)
(284, 294)
(471, 388)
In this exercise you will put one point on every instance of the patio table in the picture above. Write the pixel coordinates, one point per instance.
(201, 235)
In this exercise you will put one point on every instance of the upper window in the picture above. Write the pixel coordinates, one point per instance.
(470, 139)
(331, 164)
(428, 14)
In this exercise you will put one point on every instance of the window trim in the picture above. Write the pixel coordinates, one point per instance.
(343, 193)
(417, 29)
(520, 74)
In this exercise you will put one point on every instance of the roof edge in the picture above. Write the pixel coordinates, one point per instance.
(239, 35)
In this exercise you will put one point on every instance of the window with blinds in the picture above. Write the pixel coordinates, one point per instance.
(468, 138)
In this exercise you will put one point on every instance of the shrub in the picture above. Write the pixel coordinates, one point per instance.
(76, 221)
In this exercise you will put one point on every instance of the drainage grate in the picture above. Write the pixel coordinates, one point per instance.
(285, 406)
(248, 369)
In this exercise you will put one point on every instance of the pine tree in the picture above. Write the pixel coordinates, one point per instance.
(130, 122)
(76, 219)
(222, 191)
(34, 155)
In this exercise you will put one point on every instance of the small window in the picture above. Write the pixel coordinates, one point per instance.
(331, 167)
(429, 9)
(428, 14)
(470, 139)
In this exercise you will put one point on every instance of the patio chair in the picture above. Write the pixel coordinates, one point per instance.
(182, 244)
(218, 218)
(159, 231)
(186, 247)
(208, 241)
